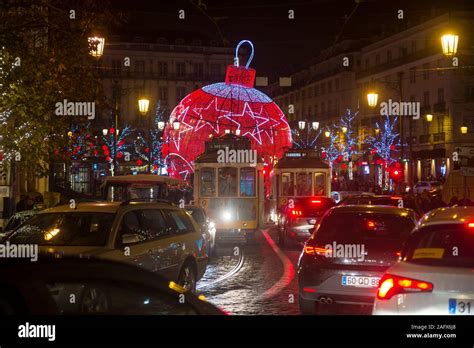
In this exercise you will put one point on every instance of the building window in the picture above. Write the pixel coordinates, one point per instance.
(330, 106)
(297, 96)
(426, 98)
(377, 59)
(412, 98)
(163, 95)
(116, 66)
(440, 95)
(426, 72)
(367, 63)
(402, 52)
(440, 123)
(337, 107)
(162, 69)
(303, 94)
(440, 67)
(323, 88)
(469, 93)
(310, 92)
(329, 86)
(316, 109)
(316, 90)
(389, 56)
(412, 75)
(180, 93)
(215, 70)
(139, 67)
(337, 84)
(180, 69)
(413, 47)
(323, 108)
(198, 70)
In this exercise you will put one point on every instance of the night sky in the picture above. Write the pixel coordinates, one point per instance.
(282, 45)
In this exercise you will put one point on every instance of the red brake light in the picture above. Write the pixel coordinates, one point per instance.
(470, 225)
(295, 212)
(316, 201)
(391, 285)
(309, 290)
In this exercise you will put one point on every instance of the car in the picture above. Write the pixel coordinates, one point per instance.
(430, 186)
(49, 287)
(297, 221)
(365, 199)
(348, 252)
(155, 235)
(208, 227)
(434, 275)
(16, 220)
(338, 196)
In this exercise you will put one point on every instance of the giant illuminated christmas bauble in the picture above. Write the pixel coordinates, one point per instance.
(233, 106)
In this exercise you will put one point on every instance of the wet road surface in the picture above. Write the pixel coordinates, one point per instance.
(254, 279)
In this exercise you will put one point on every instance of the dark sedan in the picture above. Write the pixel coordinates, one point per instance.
(351, 247)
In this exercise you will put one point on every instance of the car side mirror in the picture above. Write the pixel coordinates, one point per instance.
(131, 238)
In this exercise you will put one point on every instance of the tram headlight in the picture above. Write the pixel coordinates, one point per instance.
(226, 215)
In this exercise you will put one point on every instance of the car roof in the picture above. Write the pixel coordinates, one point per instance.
(448, 215)
(102, 207)
(365, 208)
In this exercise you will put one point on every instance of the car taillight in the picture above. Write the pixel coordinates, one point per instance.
(316, 201)
(470, 225)
(295, 212)
(314, 250)
(391, 285)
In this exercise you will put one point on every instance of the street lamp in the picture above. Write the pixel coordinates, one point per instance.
(161, 125)
(96, 46)
(315, 125)
(176, 125)
(237, 132)
(327, 134)
(463, 129)
(105, 131)
(377, 131)
(449, 44)
(344, 129)
(429, 117)
(372, 99)
(301, 125)
(143, 105)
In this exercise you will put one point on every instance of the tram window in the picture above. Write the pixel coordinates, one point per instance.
(287, 184)
(227, 184)
(208, 182)
(247, 182)
(319, 184)
(303, 184)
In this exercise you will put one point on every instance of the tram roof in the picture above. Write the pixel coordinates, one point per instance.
(305, 162)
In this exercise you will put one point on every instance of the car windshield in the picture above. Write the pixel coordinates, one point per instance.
(197, 214)
(65, 229)
(449, 245)
(17, 220)
(364, 227)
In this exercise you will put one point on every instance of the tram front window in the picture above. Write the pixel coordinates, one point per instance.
(208, 182)
(303, 184)
(227, 184)
(247, 182)
(319, 184)
(287, 184)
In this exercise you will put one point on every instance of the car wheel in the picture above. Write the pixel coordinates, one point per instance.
(94, 300)
(187, 277)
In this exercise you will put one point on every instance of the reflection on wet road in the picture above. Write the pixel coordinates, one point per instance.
(255, 279)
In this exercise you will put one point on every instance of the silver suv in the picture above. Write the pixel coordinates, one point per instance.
(156, 236)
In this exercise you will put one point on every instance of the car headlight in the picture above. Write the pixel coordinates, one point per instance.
(226, 215)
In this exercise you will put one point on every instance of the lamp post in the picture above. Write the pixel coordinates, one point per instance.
(143, 106)
(429, 117)
(464, 128)
(449, 44)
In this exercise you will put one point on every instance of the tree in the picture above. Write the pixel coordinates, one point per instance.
(45, 60)
(350, 141)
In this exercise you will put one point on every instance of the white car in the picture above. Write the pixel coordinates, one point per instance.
(426, 186)
(435, 273)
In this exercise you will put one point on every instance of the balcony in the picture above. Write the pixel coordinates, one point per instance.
(425, 109)
(425, 138)
(439, 137)
(439, 107)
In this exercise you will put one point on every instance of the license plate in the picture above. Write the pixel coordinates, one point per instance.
(461, 307)
(361, 282)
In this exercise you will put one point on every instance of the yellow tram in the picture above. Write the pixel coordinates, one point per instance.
(298, 175)
(228, 184)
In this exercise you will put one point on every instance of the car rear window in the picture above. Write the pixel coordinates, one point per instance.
(197, 214)
(65, 229)
(364, 227)
(450, 245)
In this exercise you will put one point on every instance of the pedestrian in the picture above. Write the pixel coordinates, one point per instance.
(21, 205)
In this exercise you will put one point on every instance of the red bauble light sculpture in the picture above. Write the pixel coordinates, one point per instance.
(233, 105)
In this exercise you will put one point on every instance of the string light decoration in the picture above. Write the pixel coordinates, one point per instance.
(81, 142)
(332, 153)
(305, 139)
(349, 140)
(233, 105)
(121, 147)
